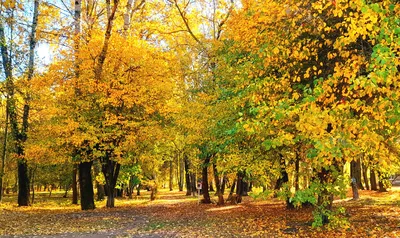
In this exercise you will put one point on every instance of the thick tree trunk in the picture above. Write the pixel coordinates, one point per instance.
(218, 186)
(325, 199)
(239, 187)
(23, 190)
(110, 170)
(245, 187)
(86, 185)
(23, 183)
(187, 176)
(193, 184)
(372, 177)
(206, 194)
(355, 172)
(382, 187)
(354, 189)
(75, 184)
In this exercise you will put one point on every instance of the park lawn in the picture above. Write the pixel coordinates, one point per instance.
(175, 215)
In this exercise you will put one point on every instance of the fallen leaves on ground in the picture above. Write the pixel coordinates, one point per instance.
(175, 215)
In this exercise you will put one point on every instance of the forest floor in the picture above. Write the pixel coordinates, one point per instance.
(175, 215)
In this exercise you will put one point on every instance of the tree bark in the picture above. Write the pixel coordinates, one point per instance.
(372, 177)
(171, 175)
(239, 187)
(23, 183)
(74, 184)
(223, 185)
(187, 176)
(154, 188)
(110, 170)
(98, 70)
(218, 186)
(325, 199)
(3, 155)
(86, 186)
(365, 175)
(181, 173)
(206, 194)
(230, 196)
(32, 179)
(355, 172)
(193, 183)
(297, 171)
(284, 177)
(20, 135)
(382, 187)
(354, 189)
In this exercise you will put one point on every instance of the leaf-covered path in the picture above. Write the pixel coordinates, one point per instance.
(175, 215)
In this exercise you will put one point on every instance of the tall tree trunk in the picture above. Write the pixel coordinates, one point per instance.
(23, 183)
(284, 177)
(181, 173)
(239, 187)
(193, 183)
(355, 172)
(20, 135)
(3, 155)
(218, 186)
(206, 194)
(372, 177)
(74, 184)
(86, 185)
(154, 188)
(325, 199)
(354, 189)
(110, 170)
(23, 189)
(297, 171)
(187, 176)
(365, 175)
(230, 196)
(98, 69)
(171, 175)
(223, 185)
(131, 186)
